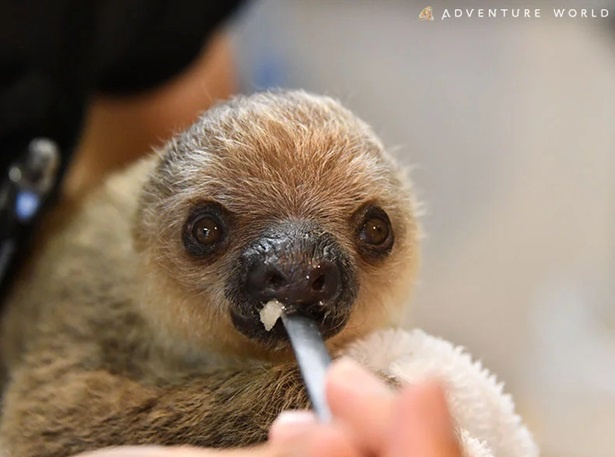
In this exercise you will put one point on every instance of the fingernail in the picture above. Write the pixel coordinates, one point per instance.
(290, 424)
(349, 375)
(130, 451)
(295, 417)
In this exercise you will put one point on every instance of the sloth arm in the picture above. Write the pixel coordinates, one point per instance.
(61, 406)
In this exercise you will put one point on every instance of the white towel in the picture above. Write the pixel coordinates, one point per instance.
(485, 415)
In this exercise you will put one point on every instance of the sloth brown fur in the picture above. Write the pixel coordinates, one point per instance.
(116, 334)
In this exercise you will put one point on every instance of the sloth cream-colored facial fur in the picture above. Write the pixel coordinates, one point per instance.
(282, 196)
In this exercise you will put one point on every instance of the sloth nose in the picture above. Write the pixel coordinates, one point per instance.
(292, 284)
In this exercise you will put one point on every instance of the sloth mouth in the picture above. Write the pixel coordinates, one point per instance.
(330, 320)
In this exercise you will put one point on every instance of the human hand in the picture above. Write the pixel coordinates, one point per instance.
(370, 420)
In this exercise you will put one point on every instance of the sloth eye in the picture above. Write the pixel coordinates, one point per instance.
(374, 231)
(205, 230)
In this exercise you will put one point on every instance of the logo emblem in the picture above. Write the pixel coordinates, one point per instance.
(426, 14)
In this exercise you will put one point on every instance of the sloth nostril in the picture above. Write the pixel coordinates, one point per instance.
(275, 280)
(318, 284)
(303, 284)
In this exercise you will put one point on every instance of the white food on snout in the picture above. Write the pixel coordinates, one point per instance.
(270, 313)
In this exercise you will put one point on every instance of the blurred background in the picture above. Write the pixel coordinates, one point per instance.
(509, 125)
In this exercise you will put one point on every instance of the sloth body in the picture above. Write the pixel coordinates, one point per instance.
(138, 322)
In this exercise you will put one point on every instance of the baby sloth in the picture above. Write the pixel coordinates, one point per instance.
(139, 321)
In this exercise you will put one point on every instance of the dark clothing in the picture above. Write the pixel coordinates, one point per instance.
(54, 54)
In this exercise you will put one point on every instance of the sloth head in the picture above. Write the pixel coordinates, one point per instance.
(283, 196)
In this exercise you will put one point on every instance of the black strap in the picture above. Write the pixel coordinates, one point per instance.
(46, 78)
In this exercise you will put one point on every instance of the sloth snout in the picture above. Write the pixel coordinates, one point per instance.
(300, 265)
(303, 285)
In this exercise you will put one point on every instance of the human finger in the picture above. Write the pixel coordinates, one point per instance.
(422, 425)
(362, 401)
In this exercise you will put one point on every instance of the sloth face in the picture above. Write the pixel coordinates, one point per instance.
(281, 196)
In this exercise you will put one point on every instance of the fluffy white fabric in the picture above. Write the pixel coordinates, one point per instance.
(485, 415)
